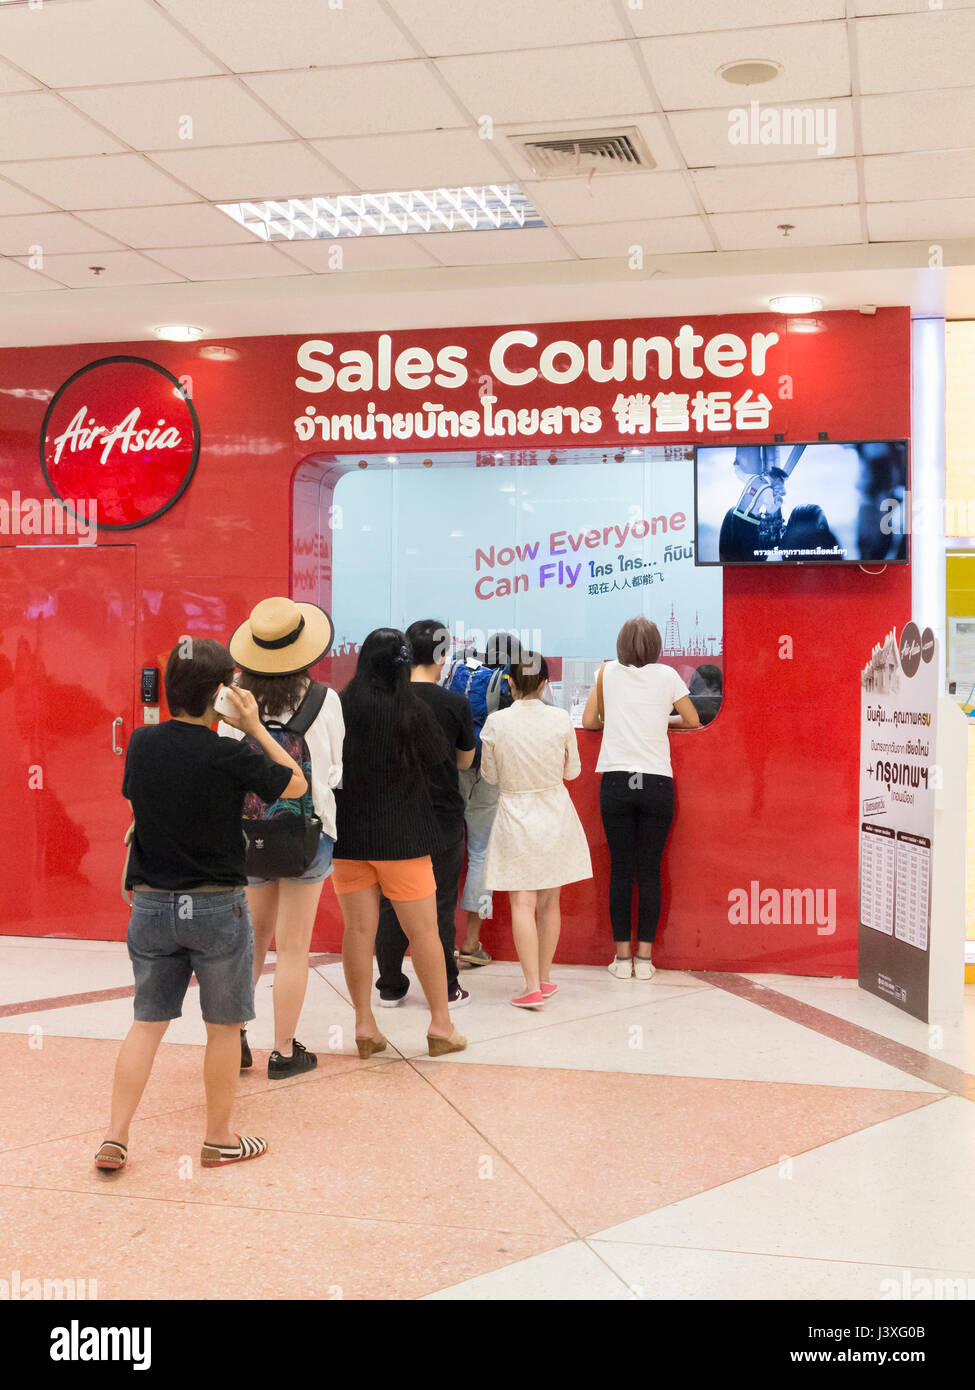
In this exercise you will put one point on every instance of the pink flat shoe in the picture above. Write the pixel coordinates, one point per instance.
(529, 1001)
(548, 990)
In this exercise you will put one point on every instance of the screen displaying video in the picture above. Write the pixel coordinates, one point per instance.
(802, 504)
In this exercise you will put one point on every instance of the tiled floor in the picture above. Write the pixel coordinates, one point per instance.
(693, 1137)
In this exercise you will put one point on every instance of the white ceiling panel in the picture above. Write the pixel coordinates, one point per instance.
(13, 81)
(264, 35)
(15, 279)
(290, 170)
(609, 197)
(549, 84)
(118, 268)
(754, 231)
(254, 262)
(194, 224)
(13, 201)
(814, 182)
(652, 17)
(99, 41)
(909, 53)
(52, 232)
(652, 128)
(39, 126)
(669, 236)
(501, 26)
(361, 254)
(868, 7)
(926, 121)
(494, 248)
(110, 181)
(939, 174)
(359, 101)
(815, 63)
(427, 159)
(181, 115)
(704, 137)
(936, 221)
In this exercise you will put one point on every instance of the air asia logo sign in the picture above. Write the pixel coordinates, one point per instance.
(122, 433)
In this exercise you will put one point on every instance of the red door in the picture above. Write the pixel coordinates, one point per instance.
(67, 695)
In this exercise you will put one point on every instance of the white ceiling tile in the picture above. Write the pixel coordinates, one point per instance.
(359, 101)
(228, 262)
(652, 128)
(52, 232)
(118, 268)
(815, 181)
(99, 41)
(427, 159)
(940, 174)
(360, 254)
(939, 221)
(154, 116)
(13, 201)
(262, 35)
(16, 279)
(549, 84)
(704, 137)
(194, 224)
(652, 17)
(922, 121)
(494, 248)
(869, 7)
(106, 181)
(815, 66)
(13, 81)
(909, 53)
(753, 231)
(39, 126)
(669, 235)
(612, 197)
(471, 26)
(289, 170)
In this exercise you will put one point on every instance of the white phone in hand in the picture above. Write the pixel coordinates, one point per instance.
(224, 704)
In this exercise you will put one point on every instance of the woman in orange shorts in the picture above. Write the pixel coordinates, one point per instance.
(386, 830)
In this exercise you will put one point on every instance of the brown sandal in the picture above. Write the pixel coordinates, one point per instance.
(111, 1156)
(367, 1046)
(439, 1047)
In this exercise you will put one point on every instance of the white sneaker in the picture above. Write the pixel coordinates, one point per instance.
(643, 969)
(622, 969)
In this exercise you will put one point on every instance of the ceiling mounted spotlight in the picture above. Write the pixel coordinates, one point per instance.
(178, 333)
(749, 72)
(795, 303)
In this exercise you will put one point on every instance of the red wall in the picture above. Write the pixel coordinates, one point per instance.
(767, 793)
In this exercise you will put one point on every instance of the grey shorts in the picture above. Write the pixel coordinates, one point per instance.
(172, 936)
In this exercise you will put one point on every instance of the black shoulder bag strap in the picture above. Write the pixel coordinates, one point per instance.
(309, 709)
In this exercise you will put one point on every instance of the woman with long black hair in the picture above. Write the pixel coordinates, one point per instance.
(386, 832)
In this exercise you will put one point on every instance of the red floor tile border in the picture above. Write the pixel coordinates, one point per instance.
(875, 1045)
(101, 996)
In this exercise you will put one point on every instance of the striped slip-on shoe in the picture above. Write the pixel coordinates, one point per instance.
(216, 1155)
(111, 1156)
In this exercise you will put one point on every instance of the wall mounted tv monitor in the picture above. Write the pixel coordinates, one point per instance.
(802, 504)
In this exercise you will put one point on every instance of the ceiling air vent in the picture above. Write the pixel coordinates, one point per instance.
(565, 155)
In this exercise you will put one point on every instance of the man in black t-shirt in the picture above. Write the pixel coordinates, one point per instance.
(186, 869)
(430, 643)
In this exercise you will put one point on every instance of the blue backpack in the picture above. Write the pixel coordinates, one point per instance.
(485, 688)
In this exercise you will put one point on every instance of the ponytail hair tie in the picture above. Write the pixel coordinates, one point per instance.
(403, 657)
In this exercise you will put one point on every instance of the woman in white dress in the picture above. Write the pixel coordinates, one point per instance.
(537, 841)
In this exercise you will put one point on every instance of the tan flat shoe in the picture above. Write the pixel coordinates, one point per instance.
(367, 1046)
(439, 1047)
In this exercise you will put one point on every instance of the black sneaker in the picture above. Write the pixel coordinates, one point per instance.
(246, 1060)
(300, 1060)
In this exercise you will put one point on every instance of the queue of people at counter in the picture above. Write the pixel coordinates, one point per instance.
(384, 787)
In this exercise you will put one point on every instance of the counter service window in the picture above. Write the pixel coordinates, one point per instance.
(559, 549)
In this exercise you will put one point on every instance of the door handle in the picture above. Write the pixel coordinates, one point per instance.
(115, 723)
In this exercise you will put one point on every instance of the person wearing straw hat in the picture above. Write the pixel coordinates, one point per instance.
(274, 649)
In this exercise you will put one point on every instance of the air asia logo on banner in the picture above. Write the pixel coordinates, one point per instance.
(121, 433)
(556, 381)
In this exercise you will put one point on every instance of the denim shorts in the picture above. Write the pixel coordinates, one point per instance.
(172, 936)
(318, 870)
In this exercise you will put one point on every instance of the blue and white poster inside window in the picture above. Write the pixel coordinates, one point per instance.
(560, 554)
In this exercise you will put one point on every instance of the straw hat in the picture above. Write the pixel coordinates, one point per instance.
(281, 637)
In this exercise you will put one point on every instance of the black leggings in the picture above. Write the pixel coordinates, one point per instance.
(637, 810)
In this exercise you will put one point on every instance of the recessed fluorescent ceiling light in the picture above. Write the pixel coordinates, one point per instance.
(484, 208)
(795, 303)
(178, 332)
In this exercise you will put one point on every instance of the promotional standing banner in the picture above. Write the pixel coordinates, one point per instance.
(898, 732)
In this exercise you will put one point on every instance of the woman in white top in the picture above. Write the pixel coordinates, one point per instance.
(274, 649)
(636, 796)
(537, 841)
